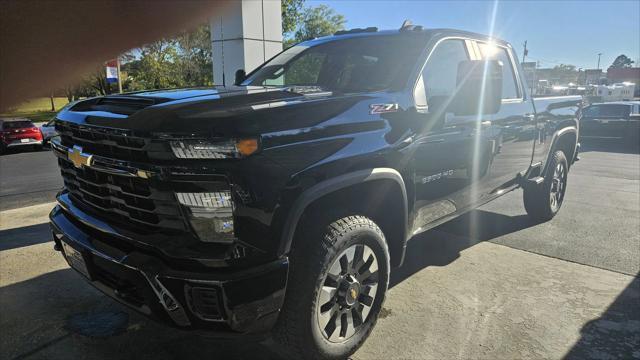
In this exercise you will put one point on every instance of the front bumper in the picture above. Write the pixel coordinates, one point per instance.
(224, 301)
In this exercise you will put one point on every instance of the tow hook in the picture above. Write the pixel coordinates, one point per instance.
(56, 241)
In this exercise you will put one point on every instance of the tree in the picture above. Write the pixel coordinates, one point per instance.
(319, 21)
(622, 61)
(291, 16)
(157, 68)
(194, 57)
(168, 63)
(564, 74)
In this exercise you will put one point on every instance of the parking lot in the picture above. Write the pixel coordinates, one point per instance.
(504, 288)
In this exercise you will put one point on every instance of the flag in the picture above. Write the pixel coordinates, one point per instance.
(112, 71)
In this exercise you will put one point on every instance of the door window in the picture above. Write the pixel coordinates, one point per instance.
(509, 84)
(439, 77)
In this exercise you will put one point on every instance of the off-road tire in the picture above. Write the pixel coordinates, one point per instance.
(538, 198)
(315, 248)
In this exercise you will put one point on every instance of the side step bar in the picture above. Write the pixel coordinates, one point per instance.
(535, 181)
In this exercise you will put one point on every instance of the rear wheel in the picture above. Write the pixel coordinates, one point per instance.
(338, 278)
(543, 201)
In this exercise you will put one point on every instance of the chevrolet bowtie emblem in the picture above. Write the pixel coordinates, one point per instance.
(78, 158)
(353, 293)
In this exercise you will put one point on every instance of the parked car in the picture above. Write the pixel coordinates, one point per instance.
(48, 131)
(18, 133)
(618, 120)
(280, 205)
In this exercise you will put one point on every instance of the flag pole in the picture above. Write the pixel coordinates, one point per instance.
(119, 77)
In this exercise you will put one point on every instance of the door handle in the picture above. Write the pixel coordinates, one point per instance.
(406, 142)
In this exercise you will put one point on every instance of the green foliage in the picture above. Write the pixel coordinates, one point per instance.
(622, 61)
(291, 15)
(185, 61)
(319, 21)
(169, 63)
(157, 66)
(195, 57)
(305, 70)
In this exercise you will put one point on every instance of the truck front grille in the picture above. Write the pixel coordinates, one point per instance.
(129, 201)
(107, 142)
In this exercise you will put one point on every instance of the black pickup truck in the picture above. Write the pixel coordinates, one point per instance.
(280, 204)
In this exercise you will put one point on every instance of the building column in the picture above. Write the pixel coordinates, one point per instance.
(243, 36)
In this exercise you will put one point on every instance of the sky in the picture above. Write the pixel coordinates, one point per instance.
(557, 32)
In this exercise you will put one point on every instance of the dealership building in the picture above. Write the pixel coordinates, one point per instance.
(246, 34)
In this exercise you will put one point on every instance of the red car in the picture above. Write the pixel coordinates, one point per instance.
(19, 133)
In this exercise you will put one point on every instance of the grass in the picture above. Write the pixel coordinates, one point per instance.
(38, 109)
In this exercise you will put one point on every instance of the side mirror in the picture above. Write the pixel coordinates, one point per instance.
(479, 88)
(240, 76)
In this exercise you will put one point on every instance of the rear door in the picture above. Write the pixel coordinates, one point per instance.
(511, 133)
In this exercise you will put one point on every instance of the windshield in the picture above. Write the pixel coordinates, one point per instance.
(349, 65)
(17, 124)
(607, 110)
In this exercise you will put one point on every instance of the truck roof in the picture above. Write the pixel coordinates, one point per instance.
(420, 31)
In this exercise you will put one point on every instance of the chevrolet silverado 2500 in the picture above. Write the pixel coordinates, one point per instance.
(280, 204)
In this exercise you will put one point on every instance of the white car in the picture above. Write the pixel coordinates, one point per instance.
(48, 131)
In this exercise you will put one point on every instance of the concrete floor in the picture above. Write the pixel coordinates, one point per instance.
(509, 289)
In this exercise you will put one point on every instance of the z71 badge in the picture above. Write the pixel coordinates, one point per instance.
(382, 108)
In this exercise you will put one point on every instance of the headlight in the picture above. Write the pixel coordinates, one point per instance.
(205, 149)
(211, 215)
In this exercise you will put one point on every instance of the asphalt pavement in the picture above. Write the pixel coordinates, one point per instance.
(599, 224)
(504, 288)
(27, 178)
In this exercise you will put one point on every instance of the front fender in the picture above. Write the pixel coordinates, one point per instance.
(331, 185)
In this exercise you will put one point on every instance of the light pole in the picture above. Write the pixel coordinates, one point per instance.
(599, 54)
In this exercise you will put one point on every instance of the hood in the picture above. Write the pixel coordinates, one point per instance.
(218, 111)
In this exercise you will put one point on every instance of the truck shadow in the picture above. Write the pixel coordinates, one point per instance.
(66, 306)
(67, 319)
(25, 236)
(615, 334)
(442, 245)
(59, 305)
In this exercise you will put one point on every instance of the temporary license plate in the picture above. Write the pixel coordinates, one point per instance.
(24, 140)
(75, 259)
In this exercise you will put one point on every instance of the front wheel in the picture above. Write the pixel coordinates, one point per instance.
(543, 201)
(337, 283)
